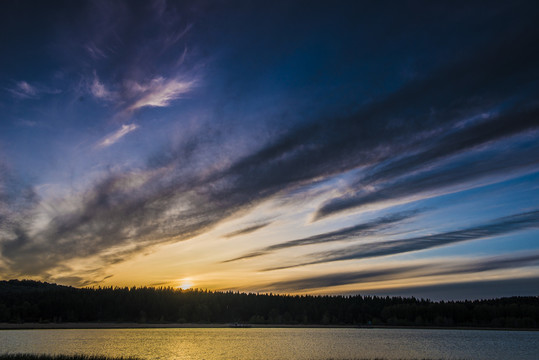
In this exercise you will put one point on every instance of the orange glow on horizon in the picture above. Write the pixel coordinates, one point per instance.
(185, 284)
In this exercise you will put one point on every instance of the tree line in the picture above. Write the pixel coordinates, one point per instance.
(32, 301)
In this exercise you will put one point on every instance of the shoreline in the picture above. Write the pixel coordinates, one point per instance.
(129, 325)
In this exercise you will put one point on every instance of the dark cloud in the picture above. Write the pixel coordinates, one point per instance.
(400, 122)
(247, 230)
(115, 214)
(407, 272)
(420, 112)
(355, 232)
(17, 199)
(501, 226)
(444, 146)
(73, 281)
(325, 281)
(110, 216)
(482, 166)
(487, 129)
(495, 263)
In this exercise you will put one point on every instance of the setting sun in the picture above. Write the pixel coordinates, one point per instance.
(185, 284)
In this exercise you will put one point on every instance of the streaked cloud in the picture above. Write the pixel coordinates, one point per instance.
(414, 271)
(365, 138)
(423, 171)
(117, 135)
(497, 227)
(356, 232)
(247, 230)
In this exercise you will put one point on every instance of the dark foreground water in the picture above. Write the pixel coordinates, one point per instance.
(275, 343)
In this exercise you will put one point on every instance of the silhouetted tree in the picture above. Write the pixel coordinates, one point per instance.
(31, 301)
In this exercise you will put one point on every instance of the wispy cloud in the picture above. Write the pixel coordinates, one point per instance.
(95, 52)
(24, 90)
(159, 92)
(99, 90)
(140, 59)
(117, 135)
(28, 123)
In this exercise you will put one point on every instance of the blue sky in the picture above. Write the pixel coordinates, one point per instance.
(293, 147)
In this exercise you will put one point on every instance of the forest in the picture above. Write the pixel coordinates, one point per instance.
(33, 301)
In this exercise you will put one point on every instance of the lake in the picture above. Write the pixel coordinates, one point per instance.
(277, 343)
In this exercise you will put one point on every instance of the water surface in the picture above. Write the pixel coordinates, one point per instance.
(276, 343)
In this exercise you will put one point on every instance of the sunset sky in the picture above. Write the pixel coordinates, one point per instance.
(306, 147)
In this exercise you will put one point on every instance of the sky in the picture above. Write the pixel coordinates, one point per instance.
(292, 147)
